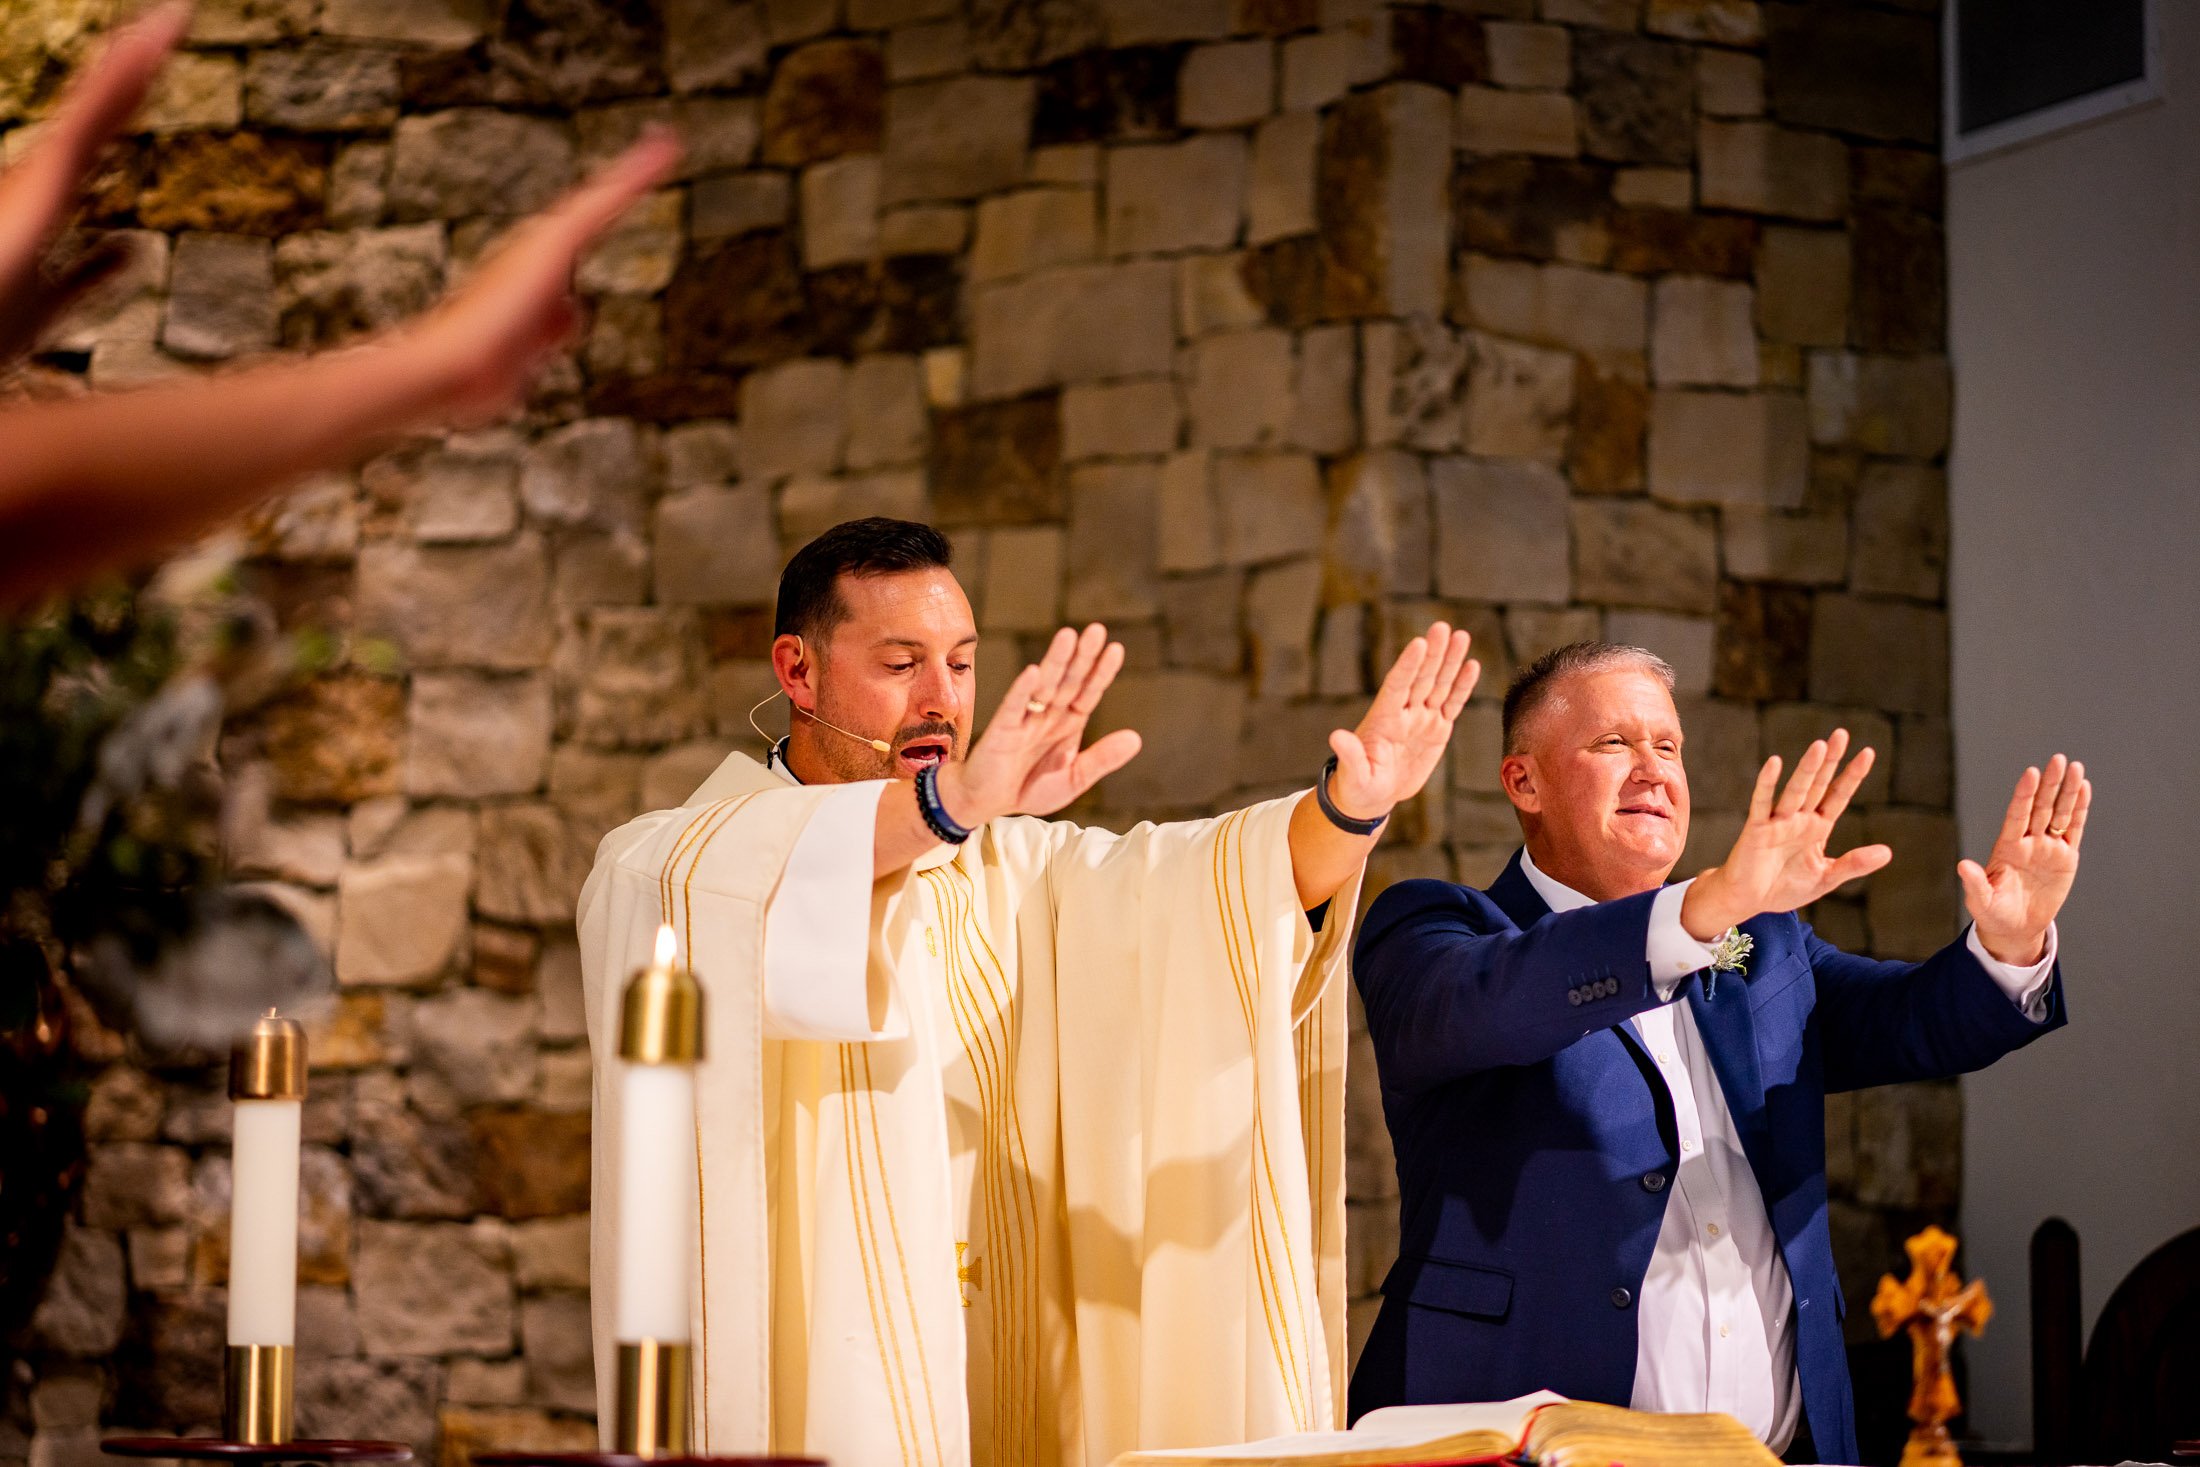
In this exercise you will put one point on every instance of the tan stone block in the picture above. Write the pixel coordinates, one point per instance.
(1241, 389)
(434, 1288)
(1324, 416)
(1704, 333)
(1728, 448)
(1320, 68)
(1084, 323)
(1212, 295)
(1885, 405)
(1531, 631)
(1628, 553)
(1113, 547)
(1023, 577)
(886, 417)
(1654, 188)
(640, 679)
(840, 211)
(1385, 172)
(941, 48)
(1412, 384)
(1912, 904)
(1227, 85)
(1270, 506)
(713, 43)
(1532, 56)
(946, 377)
(440, 23)
(194, 89)
(1729, 83)
(593, 473)
(812, 504)
(1379, 540)
(1881, 654)
(476, 161)
(956, 138)
(1519, 400)
(798, 20)
(924, 229)
(1763, 169)
(487, 1382)
(1769, 545)
(1611, 15)
(483, 606)
(1072, 165)
(1191, 723)
(1492, 120)
(1280, 606)
(1901, 532)
(221, 297)
(1279, 191)
(473, 735)
(1501, 532)
(1164, 197)
(451, 498)
(1120, 420)
(716, 547)
(1722, 759)
(738, 203)
(1924, 764)
(1144, 22)
(1803, 286)
(1595, 312)
(1191, 537)
(793, 419)
(400, 919)
(1685, 642)
(1340, 653)
(1035, 229)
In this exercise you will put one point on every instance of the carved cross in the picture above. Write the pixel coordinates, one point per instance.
(968, 1275)
(1933, 1305)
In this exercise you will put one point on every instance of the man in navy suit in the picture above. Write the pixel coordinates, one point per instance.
(1609, 1122)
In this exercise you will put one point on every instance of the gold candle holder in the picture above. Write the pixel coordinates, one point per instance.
(257, 1394)
(660, 1026)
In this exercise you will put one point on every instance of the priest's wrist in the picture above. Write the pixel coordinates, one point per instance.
(1351, 822)
(952, 783)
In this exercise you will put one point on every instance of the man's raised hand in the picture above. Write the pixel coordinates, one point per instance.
(1779, 861)
(1030, 759)
(2027, 876)
(1398, 745)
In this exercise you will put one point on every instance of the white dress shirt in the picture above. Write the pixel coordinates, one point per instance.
(1713, 1326)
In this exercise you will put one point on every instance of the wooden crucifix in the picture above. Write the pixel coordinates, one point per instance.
(1932, 1304)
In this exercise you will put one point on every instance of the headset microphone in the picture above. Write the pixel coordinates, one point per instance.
(880, 745)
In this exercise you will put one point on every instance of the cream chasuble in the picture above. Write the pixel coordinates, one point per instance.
(1046, 1166)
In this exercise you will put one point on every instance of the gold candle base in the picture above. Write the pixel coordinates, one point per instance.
(256, 1397)
(653, 1400)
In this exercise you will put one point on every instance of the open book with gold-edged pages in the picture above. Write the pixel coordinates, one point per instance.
(1545, 1429)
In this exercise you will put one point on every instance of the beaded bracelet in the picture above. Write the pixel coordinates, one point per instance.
(935, 814)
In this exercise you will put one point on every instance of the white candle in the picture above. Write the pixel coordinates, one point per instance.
(656, 1202)
(263, 1223)
(660, 1042)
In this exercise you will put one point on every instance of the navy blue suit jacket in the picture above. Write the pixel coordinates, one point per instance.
(1535, 1138)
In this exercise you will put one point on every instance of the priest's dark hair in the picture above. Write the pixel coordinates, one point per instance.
(809, 588)
(1534, 684)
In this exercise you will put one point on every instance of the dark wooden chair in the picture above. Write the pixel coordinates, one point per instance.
(2134, 1393)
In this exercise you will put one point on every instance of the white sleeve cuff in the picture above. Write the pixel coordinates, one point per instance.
(1673, 953)
(2026, 987)
(817, 931)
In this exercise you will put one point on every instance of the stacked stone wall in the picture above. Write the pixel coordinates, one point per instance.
(1264, 330)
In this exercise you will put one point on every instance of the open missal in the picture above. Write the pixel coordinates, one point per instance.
(1544, 1429)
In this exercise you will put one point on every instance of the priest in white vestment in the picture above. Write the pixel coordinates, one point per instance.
(1019, 1142)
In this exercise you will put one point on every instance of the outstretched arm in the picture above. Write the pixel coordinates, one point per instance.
(1385, 760)
(109, 480)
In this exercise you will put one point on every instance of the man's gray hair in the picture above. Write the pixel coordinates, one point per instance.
(1534, 684)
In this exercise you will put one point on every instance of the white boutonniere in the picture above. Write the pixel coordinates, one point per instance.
(1730, 954)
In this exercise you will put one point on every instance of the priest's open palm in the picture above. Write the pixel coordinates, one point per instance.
(1779, 862)
(1398, 745)
(1030, 759)
(2027, 876)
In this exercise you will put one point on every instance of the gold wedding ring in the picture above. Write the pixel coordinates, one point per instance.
(2058, 831)
(1033, 705)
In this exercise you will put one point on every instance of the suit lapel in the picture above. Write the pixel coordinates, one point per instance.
(1730, 1039)
(1517, 897)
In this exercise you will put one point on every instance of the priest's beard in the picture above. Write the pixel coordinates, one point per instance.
(849, 758)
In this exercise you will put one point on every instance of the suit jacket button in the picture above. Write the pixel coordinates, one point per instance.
(1573, 996)
(1621, 1298)
(1653, 1181)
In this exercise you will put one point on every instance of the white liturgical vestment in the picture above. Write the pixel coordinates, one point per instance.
(1031, 1153)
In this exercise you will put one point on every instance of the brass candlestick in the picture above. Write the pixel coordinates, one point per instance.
(660, 1024)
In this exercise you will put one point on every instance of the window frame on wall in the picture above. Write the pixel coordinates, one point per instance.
(2057, 117)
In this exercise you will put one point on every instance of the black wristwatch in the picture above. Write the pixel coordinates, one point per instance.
(1337, 817)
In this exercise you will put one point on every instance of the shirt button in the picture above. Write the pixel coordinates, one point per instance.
(1722, 1331)
(1653, 1181)
(1714, 1230)
(1688, 1145)
(1621, 1298)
